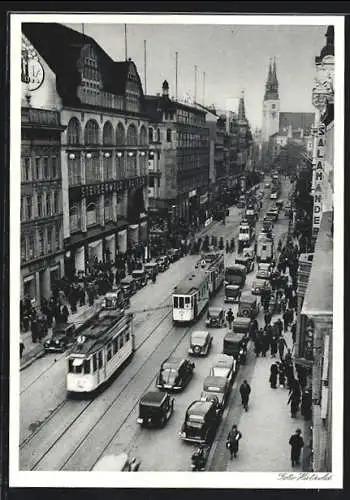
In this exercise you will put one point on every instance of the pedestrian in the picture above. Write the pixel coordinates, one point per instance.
(34, 329)
(281, 375)
(279, 324)
(254, 330)
(306, 404)
(286, 317)
(273, 345)
(232, 442)
(294, 399)
(230, 318)
(21, 349)
(281, 345)
(257, 345)
(267, 318)
(273, 375)
(264, 344)
(294, 332)
(245, 392)
(288, 357)
(296, 442)
(290, 375)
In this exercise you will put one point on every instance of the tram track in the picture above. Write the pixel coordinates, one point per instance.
(65, 402)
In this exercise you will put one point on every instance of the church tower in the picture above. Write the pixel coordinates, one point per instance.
(271, 104)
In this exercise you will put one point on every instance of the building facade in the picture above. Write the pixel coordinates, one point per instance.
(178, 163)
(104, 148)
(42, 251)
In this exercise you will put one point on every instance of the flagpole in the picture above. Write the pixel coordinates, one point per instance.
(195, 83)
(203, 88)
(126, 43)
(145, 65)
(176, 70)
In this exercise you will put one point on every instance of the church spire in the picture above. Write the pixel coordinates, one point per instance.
(271, 87)
(241, 108)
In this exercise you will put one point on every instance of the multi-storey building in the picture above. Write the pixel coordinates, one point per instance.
(104, 147)
(42, 252)
(179, 160)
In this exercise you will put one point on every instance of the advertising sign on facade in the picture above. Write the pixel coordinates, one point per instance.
(319, 174)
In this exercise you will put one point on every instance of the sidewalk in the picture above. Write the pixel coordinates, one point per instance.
(33, 351)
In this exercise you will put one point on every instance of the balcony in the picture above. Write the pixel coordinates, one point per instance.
(43, 118)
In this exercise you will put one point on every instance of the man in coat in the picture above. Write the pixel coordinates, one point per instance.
(245, 391)
(282, 344)
(230, 318)
(296, 442)
(232, 441)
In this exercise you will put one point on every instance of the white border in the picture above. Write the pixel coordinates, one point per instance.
(174, 479)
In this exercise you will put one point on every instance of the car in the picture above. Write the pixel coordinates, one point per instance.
(215, 317)
(263, 274)
(216, 387)
(151, 269)
(175, 373)
(201, 422)
(232, 293)
(245, 261)
(223, 366)
(174, 254)
(116, 299)
(259, 285)
(272, 213)
(200, 343)
(235, 345)
(62, 336)
(117, 463)
(155, 408)
(163, 263)
(248, 306)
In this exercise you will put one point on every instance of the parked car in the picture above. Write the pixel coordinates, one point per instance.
(201, 422)
(175, 374)
(216, 387)
(235, 345)
(264, 271)
(155, 408)
(151, 269)
(117, 463)
(141, 277)
(223, 366)
(272, 214)
(259, 285)
(115, 300)
(128, 285)
(200, 343)
(215, 317)
(163, 263)
(62, 336)
(248, 306)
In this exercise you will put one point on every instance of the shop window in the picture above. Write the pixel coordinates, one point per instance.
(49, 240)
(40, 205)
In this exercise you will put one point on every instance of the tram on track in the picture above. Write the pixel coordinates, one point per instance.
(214, 265)
(191, 296)
(100, 350)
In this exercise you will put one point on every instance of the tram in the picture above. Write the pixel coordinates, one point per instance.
(214, 265)
(100, 350)
(191, 296)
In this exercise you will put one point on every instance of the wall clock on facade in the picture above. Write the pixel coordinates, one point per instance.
(32, 73)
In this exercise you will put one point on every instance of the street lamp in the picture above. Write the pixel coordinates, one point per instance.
(88, 156)
(119, 154)
(107, 154)
(71, 156)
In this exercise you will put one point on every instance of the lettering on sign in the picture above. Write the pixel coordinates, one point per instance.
(319, 175)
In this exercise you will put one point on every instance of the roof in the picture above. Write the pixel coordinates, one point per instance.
(296, 120)
(222, 359)
(321, 275)
(248, 297)
(156, 104)
(234, 336)
(172, 362)
(98, 333)
(200, 407)
(241, 320)
(153, 398)
(215, 382)
(61, 46)
(191, 282)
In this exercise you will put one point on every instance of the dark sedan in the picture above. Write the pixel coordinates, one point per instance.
(63, 335)
(175, 374)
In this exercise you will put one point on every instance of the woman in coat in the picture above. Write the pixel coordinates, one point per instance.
(273, 375)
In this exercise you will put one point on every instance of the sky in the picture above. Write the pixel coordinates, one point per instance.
(234, 58)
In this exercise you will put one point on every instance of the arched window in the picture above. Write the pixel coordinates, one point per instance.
(74, 218)
(108, 134)
(73, 131)
(131, 137)
(143, 136)
(120, 135)
(92, 133)
(150, 134)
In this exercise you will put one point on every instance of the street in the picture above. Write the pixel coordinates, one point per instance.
(61, 434)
